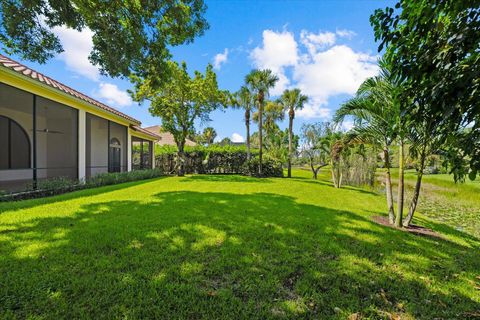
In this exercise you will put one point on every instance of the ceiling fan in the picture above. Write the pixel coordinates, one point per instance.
(49, 131)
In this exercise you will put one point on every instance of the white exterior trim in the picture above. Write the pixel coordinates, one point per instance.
(129, 150)
(82, 117)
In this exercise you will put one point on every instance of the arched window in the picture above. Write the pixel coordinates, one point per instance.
(14, 145)
(114, 143)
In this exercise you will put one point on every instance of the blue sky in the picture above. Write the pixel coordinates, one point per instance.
(326, 48)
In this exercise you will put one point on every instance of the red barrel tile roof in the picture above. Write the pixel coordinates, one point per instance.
(27, 72)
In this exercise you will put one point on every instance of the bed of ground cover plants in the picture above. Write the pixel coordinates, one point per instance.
(229, 247)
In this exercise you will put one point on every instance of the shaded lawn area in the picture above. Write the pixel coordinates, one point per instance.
(228, 247)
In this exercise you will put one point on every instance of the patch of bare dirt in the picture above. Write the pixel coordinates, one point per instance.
(415, 229)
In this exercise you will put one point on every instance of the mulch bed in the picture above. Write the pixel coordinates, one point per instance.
(418, 230)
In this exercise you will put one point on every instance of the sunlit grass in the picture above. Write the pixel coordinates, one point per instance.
(456, 204)
(228, 247)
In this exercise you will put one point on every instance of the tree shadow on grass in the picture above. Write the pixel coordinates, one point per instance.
(441, 228)
(330, 184)
(194, 255)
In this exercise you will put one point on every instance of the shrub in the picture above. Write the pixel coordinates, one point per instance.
(56, 185)
(204, 160)
(61, 185)
(270, 168)
(105, 179)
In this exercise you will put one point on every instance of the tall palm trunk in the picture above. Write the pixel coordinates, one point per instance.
(247, 125)
(416, 193)
(290, 138)
(260, 129)
(388, 185)
(401, 185)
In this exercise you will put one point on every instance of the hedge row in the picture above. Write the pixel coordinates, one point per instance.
(216, 159)
(61, 185)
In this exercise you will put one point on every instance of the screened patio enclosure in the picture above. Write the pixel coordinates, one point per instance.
(141, 153)
(43, 139)
(106, 146)
(38, 139)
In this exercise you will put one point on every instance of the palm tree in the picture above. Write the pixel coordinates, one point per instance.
(425, 140)
(292, 100)
(243, 98)
(260, 82)
(209, 135)
(272, 112)
(376, 113)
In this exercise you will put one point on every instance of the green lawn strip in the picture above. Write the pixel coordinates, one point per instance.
(443, 200)
(228, 247)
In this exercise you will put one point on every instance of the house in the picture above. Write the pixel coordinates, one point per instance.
(166, 138)
(49, 130)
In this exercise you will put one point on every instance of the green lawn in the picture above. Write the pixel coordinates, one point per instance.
(228, 247)
(456, 204)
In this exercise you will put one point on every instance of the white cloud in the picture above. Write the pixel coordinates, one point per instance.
(220, 58)
(236, 137)
(338, 70)
(314, 42)
(77, 47)
(311, 111)
(279, 50)
(111, 94)
(319, 66)
(345, 33)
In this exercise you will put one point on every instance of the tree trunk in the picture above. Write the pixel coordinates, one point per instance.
(332, 170)
(181, 159)
(388, 186)
(339, 176)
(260, 129)
(290, 134)
(247, 124)
(401, 185)
(313, 169)
(416, 193)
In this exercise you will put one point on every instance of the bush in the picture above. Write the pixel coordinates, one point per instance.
(270, 168)
(54, 186)
(204, 160)
(105, 179)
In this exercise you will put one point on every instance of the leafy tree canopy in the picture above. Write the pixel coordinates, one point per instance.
(128, 36)
(434, 46)
(181, 100)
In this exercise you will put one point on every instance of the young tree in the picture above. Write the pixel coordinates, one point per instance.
(129, 37)
(376, 114)
(272, 112)
(209, 134)
(337, 144)
(292, 100)
(180, 101)
(424, 142)
(313, 146)
(260, 82)
(244, 98)
(433, 46)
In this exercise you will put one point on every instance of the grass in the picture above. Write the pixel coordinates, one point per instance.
(456, 204)
(228, 247)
